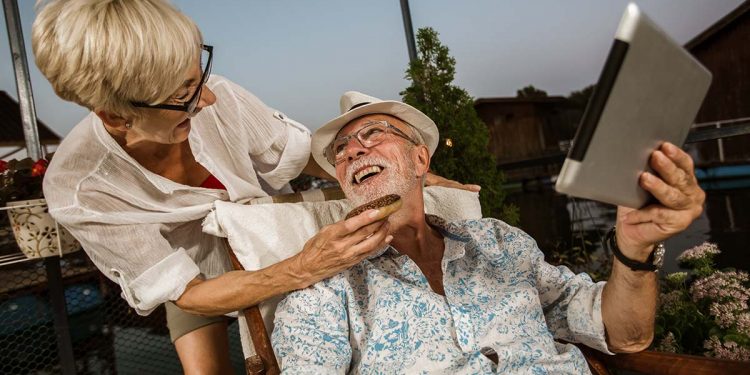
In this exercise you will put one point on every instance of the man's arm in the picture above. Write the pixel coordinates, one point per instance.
(311, 330)
(629, 299)
(572, 303)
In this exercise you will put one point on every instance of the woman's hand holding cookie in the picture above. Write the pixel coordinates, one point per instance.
(341, 245)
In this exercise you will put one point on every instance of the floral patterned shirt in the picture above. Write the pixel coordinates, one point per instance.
(501, 298)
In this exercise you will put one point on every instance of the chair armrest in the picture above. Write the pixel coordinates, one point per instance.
(660, 363)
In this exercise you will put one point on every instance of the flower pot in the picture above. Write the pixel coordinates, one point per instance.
(37, 234)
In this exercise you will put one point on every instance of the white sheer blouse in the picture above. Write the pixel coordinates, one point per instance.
(144, 231)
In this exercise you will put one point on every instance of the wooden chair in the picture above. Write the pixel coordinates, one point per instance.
(646, 362)
(264, 361)
(659, 363)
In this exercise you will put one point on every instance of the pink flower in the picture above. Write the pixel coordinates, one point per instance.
(722, 286)
(698, 252)
(3, 166)
(668, 344)
(730, 313)
(726, 350)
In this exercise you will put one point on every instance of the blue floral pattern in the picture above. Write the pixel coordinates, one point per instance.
(382, 317)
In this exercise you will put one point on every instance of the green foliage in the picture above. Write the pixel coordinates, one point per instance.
(581, 97)
(580, 255)
(684, 319)
(531, 92)
(462, 154)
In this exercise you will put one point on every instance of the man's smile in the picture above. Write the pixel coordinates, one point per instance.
(366, 173)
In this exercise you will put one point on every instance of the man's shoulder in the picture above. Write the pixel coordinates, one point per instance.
(486, 228)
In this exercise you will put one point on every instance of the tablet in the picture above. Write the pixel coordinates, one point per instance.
(648, 93)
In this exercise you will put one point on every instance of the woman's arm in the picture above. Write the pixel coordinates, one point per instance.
(313, 169)
(335, 248)
(435, 180)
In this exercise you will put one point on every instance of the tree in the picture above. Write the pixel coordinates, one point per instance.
(531, 92)
(462, 153)
(581, 98)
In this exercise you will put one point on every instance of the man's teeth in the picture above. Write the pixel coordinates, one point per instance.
(369, 170)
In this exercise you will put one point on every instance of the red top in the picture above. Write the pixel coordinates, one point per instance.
(212, 182)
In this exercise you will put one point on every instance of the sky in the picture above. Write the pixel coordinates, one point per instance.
(299, 56)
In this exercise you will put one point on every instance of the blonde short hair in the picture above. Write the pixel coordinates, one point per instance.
(105, 54)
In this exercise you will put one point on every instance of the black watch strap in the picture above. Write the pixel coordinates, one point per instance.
(610, 243)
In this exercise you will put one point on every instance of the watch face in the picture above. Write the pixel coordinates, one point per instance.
(659, 255)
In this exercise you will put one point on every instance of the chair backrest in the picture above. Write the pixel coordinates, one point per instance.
(264, 361)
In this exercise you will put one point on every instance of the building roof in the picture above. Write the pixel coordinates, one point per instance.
(11, 126)
(718, 25)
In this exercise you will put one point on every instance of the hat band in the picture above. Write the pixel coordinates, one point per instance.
(358, 105)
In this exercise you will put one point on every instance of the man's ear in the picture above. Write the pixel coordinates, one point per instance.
(422, 160)
(112, 120)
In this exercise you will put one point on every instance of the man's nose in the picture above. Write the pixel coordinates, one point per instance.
(355, 149)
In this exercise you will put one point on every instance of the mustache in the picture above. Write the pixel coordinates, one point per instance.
(363, 162)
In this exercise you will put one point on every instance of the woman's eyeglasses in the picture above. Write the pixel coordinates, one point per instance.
(189, 106)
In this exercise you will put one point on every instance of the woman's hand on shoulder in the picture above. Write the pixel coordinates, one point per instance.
(435, 180)
(340, 246)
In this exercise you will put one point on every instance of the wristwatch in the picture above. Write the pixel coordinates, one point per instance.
(653, 263)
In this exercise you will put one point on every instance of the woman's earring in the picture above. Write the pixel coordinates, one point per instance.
(128, 126)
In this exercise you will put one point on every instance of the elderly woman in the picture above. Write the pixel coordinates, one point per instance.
(164, 140)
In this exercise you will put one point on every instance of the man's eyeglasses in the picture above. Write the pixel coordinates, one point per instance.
(372, 134)
(207, 53)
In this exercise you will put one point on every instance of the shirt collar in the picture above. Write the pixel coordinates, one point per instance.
(456, 237)
(449, 230)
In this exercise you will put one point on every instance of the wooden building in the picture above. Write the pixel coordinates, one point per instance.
(724, 48)
(11, 128)
(529, 136)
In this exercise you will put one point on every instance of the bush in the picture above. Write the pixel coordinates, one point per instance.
(704, 312)
(462, 154)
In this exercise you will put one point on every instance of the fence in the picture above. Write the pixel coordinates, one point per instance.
(107, 336)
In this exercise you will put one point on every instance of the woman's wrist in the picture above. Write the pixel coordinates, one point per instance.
(299, 276)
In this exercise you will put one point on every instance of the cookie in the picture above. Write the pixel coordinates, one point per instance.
(387, 204)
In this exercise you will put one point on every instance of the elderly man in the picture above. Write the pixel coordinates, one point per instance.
(471, 296)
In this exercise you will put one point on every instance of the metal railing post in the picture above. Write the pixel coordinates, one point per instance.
(409, 30)
(34, 151)
(23, 82)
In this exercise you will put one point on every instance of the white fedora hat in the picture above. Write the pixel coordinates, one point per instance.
(355, 104)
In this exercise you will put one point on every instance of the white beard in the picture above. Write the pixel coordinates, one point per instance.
(395, 178)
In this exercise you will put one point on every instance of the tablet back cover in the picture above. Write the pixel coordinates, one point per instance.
(649, 92)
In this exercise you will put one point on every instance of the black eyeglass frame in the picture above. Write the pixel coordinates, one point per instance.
(389, 129)
(188, 106)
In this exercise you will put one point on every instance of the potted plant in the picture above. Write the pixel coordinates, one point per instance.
(36, 233)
